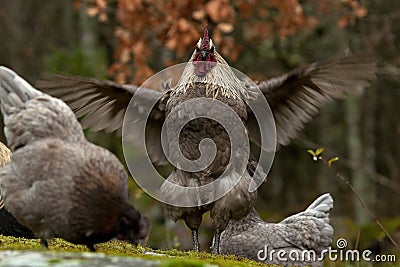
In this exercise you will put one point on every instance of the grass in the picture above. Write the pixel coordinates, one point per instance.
(117, 248)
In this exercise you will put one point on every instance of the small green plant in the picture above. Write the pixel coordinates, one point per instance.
(317, 156)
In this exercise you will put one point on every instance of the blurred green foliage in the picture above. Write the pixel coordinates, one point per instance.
(75, 61)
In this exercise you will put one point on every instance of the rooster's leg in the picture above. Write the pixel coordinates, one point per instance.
(196, 245)
(216, 243)
(91, 247)
(44, 243)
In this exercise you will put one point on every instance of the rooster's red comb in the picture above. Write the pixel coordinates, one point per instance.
(205, 42)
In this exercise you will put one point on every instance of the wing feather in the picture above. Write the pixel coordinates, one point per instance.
(297, 96)
(101, 105)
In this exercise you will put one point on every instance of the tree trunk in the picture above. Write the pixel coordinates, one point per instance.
(355, 150)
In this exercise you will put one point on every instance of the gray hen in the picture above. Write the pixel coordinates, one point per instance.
(8, 225)
(58, 184)
(309, 231)
(294, 98)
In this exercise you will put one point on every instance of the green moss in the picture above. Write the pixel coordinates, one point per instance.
(54, 261)
(182, 263)
(196, 258)
(172, 257)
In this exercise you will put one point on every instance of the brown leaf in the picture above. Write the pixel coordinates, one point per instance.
(229, 48)
(219, 10)
(171, 43)
(103, 17)
(183, 25)
(120, 72)
(142, 74)
(245, 9)
(139, 48)
(92, 11)
(217, 37)
(360, 12)
(344, 21)
(102, 4)
(77, 4)
(199, 14)
(125, 55)
(225, 27)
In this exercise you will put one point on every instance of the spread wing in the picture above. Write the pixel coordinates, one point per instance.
(101, 105)
(297, 96)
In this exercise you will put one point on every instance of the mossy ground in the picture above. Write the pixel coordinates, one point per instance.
(117, 248)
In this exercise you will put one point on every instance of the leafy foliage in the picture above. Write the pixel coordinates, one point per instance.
(177, 24)
(316, 154)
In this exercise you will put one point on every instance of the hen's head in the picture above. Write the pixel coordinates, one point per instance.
(133, 227)
(204, 57)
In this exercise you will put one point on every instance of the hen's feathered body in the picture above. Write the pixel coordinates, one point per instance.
(57, 183)
(305, 234)
(8, 225)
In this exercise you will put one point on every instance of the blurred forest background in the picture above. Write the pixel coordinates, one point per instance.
(129, 40)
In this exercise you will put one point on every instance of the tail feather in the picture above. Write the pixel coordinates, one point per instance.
(30, 115)
(316, 216)
(14, 91)
(323, 203)
(320, 209)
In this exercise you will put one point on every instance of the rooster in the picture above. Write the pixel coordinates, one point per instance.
(294, 98)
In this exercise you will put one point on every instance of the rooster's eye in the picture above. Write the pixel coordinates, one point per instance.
(212, 49)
